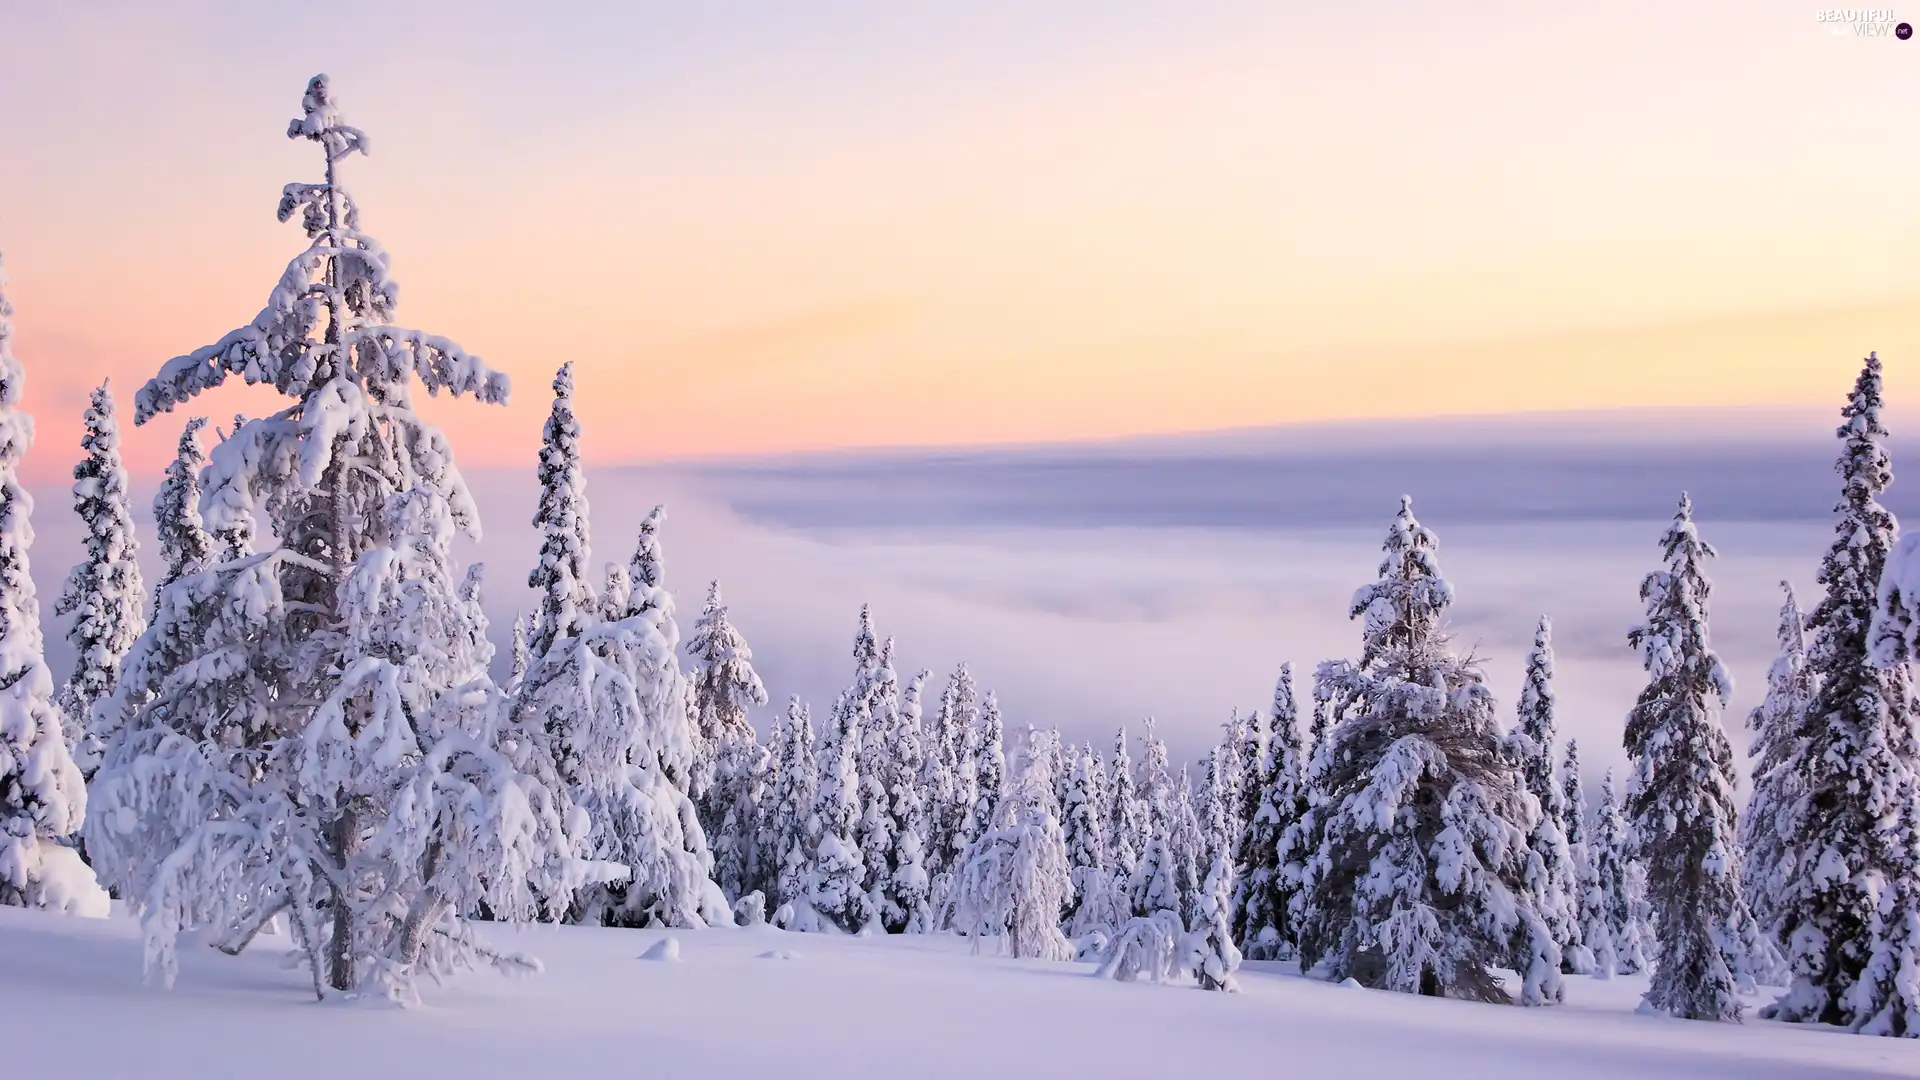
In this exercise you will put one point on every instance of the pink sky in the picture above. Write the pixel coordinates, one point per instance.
(753, 228)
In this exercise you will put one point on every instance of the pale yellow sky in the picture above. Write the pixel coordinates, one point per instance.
(972, 223)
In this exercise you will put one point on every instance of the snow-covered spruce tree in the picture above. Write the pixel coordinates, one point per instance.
(103, 591)
(906, 901)
(1414, 851)
(790, 827)
(950, 778)
(42, 796)
(517, 671)
(989, 768)
(1849, 757)
(1127, 822)
(836, 895)
(1590, 901)
(1211, 953)
(1015, 879)
(566, 595)
(742, 771)
(1621, 885)
(1187, 839)
(1885, 998)
(185, 547)
(1218, 813)
(1555, 885)
(722, 689)
(1096, 908)
(334, 749)
(1681, 800)
(725, 686)
(877, 686)
(1261, 896)
(1779, 744)
(615, 706)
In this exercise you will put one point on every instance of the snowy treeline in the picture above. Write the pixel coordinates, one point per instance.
(297, 730)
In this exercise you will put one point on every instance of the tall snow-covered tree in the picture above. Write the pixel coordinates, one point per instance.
(1554, 883)
(1187, 838)
(877, 688)
(790, 826)
(1851, 755)
(1681, 799)
(1590, 903)
(43, 798)
(1620, 881)
(566, 594)
(951, 783)
(1127, 823)
(1211, 953)
(1016, 879)
(906, 900)
(989, 767)
(725, 686)
(836, 894)
(1097, 907)
(1217, 811)
(722, 690)
(1779, 745)
(103, 591)
(517, 668)
(1413, 856)
(336, 750)
(185, 547)
(1262, 895)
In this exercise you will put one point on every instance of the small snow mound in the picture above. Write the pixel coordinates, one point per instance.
(1351, 984)
(666, 949)
(778, 954)
(67, 885)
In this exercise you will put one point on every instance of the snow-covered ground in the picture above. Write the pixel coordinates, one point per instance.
(764, 1003)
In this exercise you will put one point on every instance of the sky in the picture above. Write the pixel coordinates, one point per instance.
(760, 227)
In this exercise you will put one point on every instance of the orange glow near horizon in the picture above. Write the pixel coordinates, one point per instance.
(988, 227)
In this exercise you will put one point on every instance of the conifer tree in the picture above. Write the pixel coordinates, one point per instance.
(1778, 749)
(1211, 954)
(1620, 883)
(989, 768)
(1413, 854)
(566, 596)
(185, 547)
(1188, 840)
(346, 759)
(880, 699)
(43, 798)
(792, 828)
(1096, 907)
(1016, 879)
(836, 895)
(906, 903)
(1217, 810)
(1590, 901)
(1555, 884)
(517, 671)
(103, 591)
(722, 689)
(1127, 823)
(1681, 800)
(725, 686)
(950, 779)
(1852, 755)
(1263, 923)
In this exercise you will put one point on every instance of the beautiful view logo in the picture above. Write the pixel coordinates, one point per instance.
(1863, 22)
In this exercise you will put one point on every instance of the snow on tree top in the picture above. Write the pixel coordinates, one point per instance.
(320, 121)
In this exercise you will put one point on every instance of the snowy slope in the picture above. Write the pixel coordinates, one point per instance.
(841, 1008)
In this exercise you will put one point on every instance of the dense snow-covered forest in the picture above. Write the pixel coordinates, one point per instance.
(296, 734)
